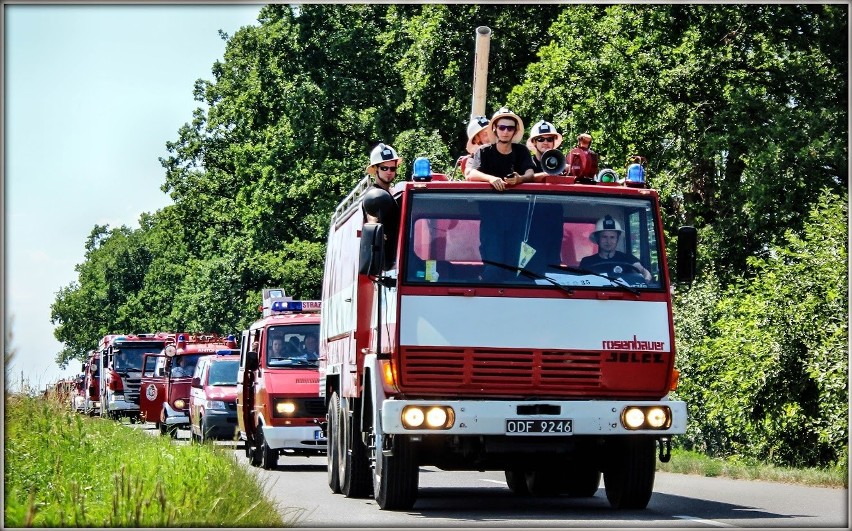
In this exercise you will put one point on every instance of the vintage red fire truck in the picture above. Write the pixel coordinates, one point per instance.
(279, 410)
(167, 378)
(92, 384)
(479, 338)
(121, 358)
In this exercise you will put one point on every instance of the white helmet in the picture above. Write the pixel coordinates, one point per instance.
(382, 153)
(477, 124)
(543, 128)
(605, 223)
(504, 112)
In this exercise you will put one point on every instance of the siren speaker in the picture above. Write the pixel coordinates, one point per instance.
(553, 162)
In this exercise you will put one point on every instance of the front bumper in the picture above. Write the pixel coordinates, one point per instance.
(175, 417)
(294, 437)
(219, 424)
(489, 417)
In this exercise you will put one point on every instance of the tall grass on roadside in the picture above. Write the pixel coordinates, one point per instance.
(66, 470)
(687, 462)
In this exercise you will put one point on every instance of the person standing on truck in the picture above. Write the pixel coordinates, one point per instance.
(543, 137)
(504, 161)
(383, 166)
(477, 135)
(606, 235)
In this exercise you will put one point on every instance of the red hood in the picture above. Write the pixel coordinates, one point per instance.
(304, 382)
(227, 393)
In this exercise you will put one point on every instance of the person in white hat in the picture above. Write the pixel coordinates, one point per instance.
(503, 161)
(477, 135)
(606, 234)
(384, 165)
(543, 137)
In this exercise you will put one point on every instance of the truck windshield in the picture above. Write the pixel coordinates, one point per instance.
(292, 345)
(523, 239)
(223, 372)
(129, 356)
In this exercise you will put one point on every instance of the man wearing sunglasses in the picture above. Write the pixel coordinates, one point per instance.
(504, 161)
(543, 137)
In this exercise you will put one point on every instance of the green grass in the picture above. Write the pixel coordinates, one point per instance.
(687, 462)
(63, 469)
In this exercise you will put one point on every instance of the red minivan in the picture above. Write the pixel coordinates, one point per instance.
(213, 398)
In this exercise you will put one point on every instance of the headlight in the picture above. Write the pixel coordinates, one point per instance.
(180, 403)
(646, 417)
(431, 417)
(284, 408)
(215, 404)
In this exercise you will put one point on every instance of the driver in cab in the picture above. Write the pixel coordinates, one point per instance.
(606, 235)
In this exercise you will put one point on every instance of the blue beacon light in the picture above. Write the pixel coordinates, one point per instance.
(422, 169)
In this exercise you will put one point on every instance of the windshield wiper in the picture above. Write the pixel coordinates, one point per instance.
(530, 274)
(579, 271)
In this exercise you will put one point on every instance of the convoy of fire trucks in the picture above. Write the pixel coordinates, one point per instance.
(463, 331)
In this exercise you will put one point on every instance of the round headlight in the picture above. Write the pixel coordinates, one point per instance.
(436, 417)
(180, 403)
(412, 417)
(656, 417)
(634, 418)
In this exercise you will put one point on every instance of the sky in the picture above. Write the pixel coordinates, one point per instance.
(91, 95)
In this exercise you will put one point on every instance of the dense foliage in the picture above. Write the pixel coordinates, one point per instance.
(740, 109)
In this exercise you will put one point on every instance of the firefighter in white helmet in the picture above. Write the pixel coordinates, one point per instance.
(384, 165)
(609, 260)
(543, 137)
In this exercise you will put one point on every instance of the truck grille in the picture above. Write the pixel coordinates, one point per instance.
(315, 407)
(500, 372)
(131, 388)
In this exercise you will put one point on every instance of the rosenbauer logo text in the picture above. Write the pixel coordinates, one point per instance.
(634, 344)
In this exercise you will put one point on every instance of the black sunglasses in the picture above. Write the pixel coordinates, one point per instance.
(506, 127)
(545, 139)
(387, 168)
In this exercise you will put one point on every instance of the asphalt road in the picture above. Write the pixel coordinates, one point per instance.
(481, 499)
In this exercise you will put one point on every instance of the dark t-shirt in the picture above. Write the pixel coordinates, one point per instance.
(595, 259)
(488, 160)
(536, 163)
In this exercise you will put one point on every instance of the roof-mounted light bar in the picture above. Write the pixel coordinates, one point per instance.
(279, 307)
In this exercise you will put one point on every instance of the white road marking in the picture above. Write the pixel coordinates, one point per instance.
(703, 521)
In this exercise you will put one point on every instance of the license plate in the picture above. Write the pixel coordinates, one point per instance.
(318, 435)
(548, 426)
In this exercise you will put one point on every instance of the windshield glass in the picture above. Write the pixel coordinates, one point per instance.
(532, 239)
(129, 356)
(292, 345)
(223, 372)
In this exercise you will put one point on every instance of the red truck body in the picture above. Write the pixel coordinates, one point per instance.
(486, 346)
(121, 359)
(167, 377)
(279, 410)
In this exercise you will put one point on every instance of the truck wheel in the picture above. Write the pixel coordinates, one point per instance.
(545, 482)
(354, 468)
(629, 476)
(268, 456)
(516, 480)
(332, 452)
(397, 476)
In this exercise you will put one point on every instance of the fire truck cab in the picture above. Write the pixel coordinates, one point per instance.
(121, 358)
(279, 410)
(213, 397)
(474, 336)
(167, 378)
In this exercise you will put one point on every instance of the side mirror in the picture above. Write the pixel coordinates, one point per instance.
(251, 361)
(372, 257)
(687, 247)
(196, 382)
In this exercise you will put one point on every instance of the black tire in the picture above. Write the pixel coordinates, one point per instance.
(332, 452)
(397, 476)
(629, 476)
(516, 480)
(546, 482)
(203, 431)
(162, 426)
(249, 445)
(354, 469)
(268, 456)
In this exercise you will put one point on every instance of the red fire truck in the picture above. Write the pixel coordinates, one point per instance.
(279, 410)
(120, 367)
(167, 378)
(479, 338)
(92, 384)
